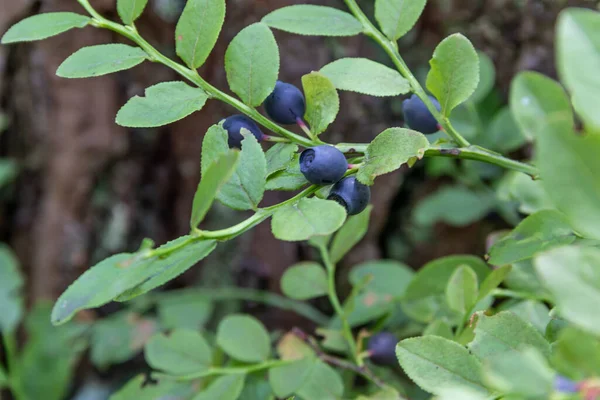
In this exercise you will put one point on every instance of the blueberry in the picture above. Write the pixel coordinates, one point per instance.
(382, 348)
(351, 194)
(418, 116)
(565, 385)
(285, 104)
(323, 165)
(234, 125)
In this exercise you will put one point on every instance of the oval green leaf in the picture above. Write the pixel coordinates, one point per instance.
(462, 290)
(397, 17)
(306, 19)
(454, 73)
(252, 64)
(198, 29)
(101, 60)
(322, 101)
(163, 104)
(304, 281)
(244, 338)
(11, 284)
(182, 352)
(130, 10)
(307, 218)
(43, 26)
(228, 387)
(389, 150)
(364, 76)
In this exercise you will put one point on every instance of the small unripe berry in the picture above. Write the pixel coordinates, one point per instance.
(323, 165)
(418, 117)
(286, 104)
(382, 348)
(351, 194)
(234, 125)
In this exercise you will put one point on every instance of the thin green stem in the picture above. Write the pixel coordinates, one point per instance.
(259, 296)
(391, 48)
(226, 370)
(471, 152)
(191, 75)
(337, 306)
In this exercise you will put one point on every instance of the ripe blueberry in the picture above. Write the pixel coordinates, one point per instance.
(382, 348)
(418, 116)
(286, 104)
(351, 194)
(323, 165)
(234, 125)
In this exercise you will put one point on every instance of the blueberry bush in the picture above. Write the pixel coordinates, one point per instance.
(520, 324)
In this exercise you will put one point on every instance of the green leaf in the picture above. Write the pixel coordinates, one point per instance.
(184, 309)
(569, 168)
(439, 327)
(11, 284)
(125, 272)
(539, 232)
(3, 378)
(364, 76)
(307, 218)
(227, 387)
(523, 374)
(454, 73)
(578, 59)
(213, 179)
(287, 379)
(576, 354)
(387, 283)
(252, 64)
(389, 150)
(198, 29)
(304, 281)
(101, 60)
(493, 280)
(425, 299)
(43, 26)
(523, 278)
(280, 156)
(321, 383)
(201, 250)
(436, 364)
(290, 178)
(8, 171)
(138, 389)
(322, 101)
(45, 366)
(572, 276)
(387, 393)
(529, 194)
(534, 97)
(305, 19)
(350, 234)
(487, 78)
(397, 17)
(503, 134)
(246, 186)
(118, 337)
(130, 10)
(244, 338)
(503, 333)
(453, 205)
(163, 104)
(182, 352)
(462, 393)
(534, 312)
(461, 291)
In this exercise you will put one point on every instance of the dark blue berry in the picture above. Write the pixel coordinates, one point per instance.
(234, 125)
(285, 104)
(323, 165)
(382, 348)
(418, 117)
(565, 385)
(351, 194)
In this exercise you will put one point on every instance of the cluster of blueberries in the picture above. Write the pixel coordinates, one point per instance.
(324, 165)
